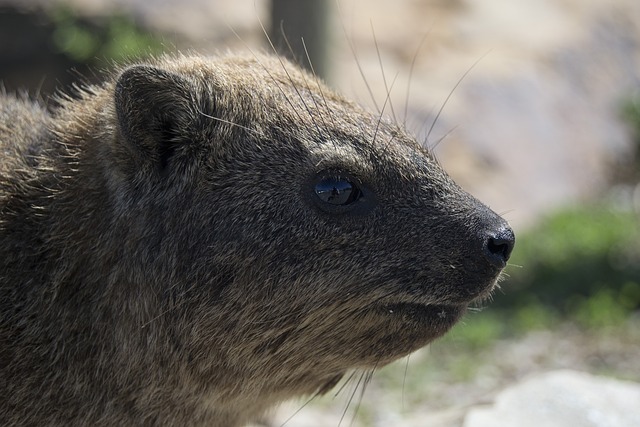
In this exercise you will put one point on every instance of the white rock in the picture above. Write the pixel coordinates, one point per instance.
(561, 399)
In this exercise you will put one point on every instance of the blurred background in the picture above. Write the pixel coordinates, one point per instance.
(533, 106)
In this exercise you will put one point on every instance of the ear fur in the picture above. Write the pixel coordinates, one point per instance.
(155, 111)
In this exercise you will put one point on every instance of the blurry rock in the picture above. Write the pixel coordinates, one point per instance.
(560, 399)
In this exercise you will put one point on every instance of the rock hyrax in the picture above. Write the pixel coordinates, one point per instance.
(198, 239)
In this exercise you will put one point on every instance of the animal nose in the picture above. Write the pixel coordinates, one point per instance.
(498, 246)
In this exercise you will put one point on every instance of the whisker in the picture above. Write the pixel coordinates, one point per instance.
(153, 319)
(411, 68)
(218, 119)
(355, 57)
(324, 98)
(442, 138)
(404, 379)
(175, 305)
(384, 78)
(508, 211)
(268, 73)
(444, 104)
(284, 68)
(286, 40)
(344, 384)
(381, 115)
(367, 379)
(315, 76)
(355, 389)
(388, 144)
(311, 399)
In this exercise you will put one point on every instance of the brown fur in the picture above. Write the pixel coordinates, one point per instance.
(165, 259)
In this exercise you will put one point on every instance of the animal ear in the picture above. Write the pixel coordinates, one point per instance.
(155, 113)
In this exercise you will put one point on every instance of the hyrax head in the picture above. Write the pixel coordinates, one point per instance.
(299, 231)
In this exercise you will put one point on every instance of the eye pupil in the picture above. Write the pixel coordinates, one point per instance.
(337, 191)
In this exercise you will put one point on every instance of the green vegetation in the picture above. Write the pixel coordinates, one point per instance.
(110, 38)
(582, 263)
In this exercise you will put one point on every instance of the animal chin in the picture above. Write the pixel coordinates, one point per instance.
(477, 292)
(441, 315)
(484, 292)
(407, 326)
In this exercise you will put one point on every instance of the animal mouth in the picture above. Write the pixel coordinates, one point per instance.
(426, 313)
(447, 312)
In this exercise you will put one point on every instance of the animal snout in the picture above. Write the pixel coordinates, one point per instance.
(498, 246)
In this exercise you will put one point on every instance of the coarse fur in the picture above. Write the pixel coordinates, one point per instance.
(166, 258)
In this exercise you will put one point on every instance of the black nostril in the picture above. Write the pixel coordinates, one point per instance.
(499, 246)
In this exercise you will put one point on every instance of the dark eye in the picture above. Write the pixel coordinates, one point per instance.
(336, 190)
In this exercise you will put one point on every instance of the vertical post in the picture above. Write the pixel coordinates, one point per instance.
(301, 19)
